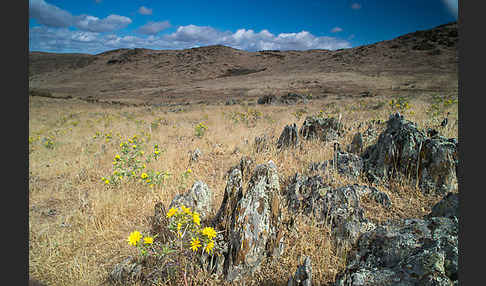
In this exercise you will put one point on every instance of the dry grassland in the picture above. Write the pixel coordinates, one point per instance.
(78, 225)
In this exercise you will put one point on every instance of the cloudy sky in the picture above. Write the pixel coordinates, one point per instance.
(95, 26)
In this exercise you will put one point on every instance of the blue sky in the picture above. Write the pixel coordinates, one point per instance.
(94, 26)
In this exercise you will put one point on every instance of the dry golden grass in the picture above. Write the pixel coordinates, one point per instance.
(78, 226)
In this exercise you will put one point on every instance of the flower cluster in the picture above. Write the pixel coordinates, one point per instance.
(131, 163)
(145, 246)
(200, 129)
(187, 226)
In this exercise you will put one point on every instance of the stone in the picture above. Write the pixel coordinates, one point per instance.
(293, 98)
(126, 272)
(289, 137)
(356, 146)
(347, 164)
(267, 99)
(257, 231)
(262, 143)
(324, 129)
(447, 207)
(340, 207)
(233, 193)
(198, 198)
(409, 251)
(303, 274)
(195, 155)
(245, 166)
(404, 150)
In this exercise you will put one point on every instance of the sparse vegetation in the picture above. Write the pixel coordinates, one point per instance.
(86, 235)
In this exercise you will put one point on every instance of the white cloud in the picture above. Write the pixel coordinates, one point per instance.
(49, 15)
(152, 28)
(336, 30)
(356, 6)
(452, 6)
(95, 24)
(53, 16)
(190, 36)
(145, 11)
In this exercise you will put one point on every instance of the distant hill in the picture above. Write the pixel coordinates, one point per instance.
(214, 71)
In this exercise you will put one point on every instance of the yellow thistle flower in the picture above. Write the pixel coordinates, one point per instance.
(195, 244)
(209, 247)
(134, 238)
(148, 240)
(171, 212)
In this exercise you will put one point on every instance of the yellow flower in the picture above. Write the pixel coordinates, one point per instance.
(134, 146)
(179, 225)
(209, 247)
(117, 157)
(144, 166)
(209, 232)
(148, 240)
(196, 218)
(107, 181)
(195, 244)
(189, 171)
(144, 176)
(141, 152)
(186, 210)
(156, 151)
(134, 238)
(171, 212)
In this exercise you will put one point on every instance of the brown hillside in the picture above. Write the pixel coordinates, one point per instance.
(423, 60)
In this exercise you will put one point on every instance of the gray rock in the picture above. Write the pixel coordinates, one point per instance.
(340, 207)
(404, 150)
(262, 143)
(324, 129)
(303, 274)
(289, 137)
(198, 198)
(267, 99)
(245, 166)
(257, 230)
(195, 155)
(347, 164)
(405, 252)
(233, 193)
(293, 98)
(356, 146)
(126, 272)
(447, 207)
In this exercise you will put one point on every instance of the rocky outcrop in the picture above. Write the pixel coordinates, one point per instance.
(257, 230)
(356, 146)
(303, 274)
(347, 164)
(289, 137)
(198, 198)
(409, 251)
(340, 207)
(194, 156)
(403, 150)
(447, 207)
(324, 129)
(412, 252)
(262, 143)
(289, 98)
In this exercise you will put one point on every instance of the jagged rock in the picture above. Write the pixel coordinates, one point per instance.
(126, 272)
(257, 230)
(403, 149)
(293, 98)
(356, 146)
(313, 197)
(245, 166)
(233, 193)
(407, 252)
(447, 207)
(303, 274)
(195, 155)
(198, 198)
(347, 164)
(262, 143)
(267, 99)
(324, 129)
(289, 137)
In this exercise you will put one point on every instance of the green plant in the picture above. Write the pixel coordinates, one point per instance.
(200, 129)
